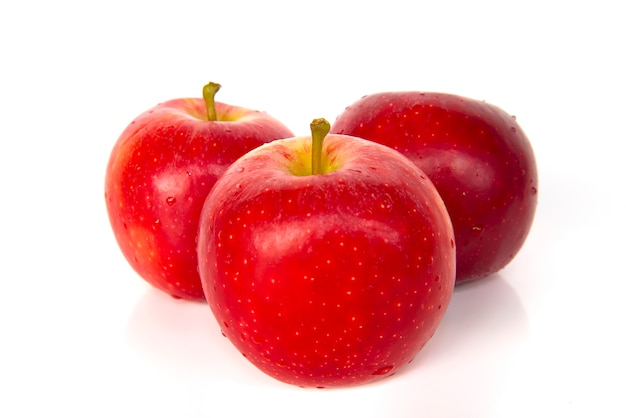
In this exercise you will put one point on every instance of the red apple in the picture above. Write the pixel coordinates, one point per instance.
(161, 170)
(477, 156)
(326, 265)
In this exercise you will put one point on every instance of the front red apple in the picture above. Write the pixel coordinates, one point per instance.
(161, 170)
(328, 279)
(477, 156)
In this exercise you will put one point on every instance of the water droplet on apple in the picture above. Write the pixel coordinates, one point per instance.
(257, 339)
(513, 129)
(477, 230)
(382, 371)
(533, 190)
(170, 200)
(240, 169)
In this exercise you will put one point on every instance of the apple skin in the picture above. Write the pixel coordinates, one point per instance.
(326, 280)
(477, 156)
(158, 176)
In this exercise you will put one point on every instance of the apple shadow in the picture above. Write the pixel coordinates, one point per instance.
(183, 338)
(463, 369)
(475, 341)
(484, 324)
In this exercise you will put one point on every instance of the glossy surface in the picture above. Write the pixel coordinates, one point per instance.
(326, 280)
(159, 173)
(477, 156)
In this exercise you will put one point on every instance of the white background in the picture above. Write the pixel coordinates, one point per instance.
(84, 336)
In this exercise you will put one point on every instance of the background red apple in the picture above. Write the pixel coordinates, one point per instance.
(477, 156)
(326, 267)
(161, 170)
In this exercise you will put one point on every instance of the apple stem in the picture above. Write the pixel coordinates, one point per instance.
(319, 129)
(208, 93)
